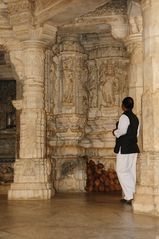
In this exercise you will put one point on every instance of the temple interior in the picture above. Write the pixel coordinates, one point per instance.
(65, 67)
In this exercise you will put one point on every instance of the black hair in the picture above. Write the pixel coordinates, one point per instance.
(128, 103)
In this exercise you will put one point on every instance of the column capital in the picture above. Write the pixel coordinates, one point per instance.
(45, 34)
(70, 43)
(34, 44)
(133, 42)
(23, 22)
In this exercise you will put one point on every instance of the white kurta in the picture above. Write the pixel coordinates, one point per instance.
(126, 163)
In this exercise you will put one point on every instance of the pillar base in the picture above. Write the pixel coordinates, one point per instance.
(146, 201)
(30, 191)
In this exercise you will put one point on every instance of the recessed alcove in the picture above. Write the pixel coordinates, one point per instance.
(7, 123)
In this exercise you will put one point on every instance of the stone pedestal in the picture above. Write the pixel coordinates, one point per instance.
(31, 178)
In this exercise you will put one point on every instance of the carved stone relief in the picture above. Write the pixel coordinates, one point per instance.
(68, 70)
(49, 82)
(71, 174)
(135, 17)
(110, 8)
(106, 83)
(68, 80)
(93, 83)
(104, 80)
(18, 6)
(88, 88)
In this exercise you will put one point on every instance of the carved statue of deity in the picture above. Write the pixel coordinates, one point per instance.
(93, 74)
(106, 79)
(68, 86)
(68, 80)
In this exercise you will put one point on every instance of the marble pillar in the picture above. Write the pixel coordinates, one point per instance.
(69, 72)
(147, 195)
(32, 169)
(135, 75)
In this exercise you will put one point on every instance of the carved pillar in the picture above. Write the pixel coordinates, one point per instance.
(147, 195)
(135, 73)
(70, 105)
(32, 168)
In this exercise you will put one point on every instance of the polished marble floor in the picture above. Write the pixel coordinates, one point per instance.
(74, 216)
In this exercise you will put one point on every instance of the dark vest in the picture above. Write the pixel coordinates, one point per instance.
(128, 143)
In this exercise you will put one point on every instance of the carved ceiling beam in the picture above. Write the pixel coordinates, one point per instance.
(110, 17)
(63, 11)
(116, 24)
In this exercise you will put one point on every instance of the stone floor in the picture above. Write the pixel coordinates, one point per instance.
(74, 216)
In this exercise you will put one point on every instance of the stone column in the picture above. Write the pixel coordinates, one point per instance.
(31, 171)
(135, 74)
(147, 195)
(70, 99)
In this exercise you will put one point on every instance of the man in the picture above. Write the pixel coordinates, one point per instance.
(127, 149)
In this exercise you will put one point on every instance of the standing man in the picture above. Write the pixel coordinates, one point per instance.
(127, 149)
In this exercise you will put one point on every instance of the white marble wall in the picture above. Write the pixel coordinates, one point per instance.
(89, 79)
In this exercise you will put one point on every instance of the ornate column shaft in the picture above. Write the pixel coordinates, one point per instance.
(31, 169)
(147, 196)
(135, 73)
(70, 103)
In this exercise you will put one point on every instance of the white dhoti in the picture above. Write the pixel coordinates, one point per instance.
(126, 171)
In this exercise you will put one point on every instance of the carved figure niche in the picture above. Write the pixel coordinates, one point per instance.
(68, 82)
(107, 83)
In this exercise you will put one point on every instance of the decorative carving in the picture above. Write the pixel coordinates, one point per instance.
(93, 82)
(135, 17)
(18, 104)
(71, 46)
(110, 8)
(6, 172)
(32, 147)
(136, 25)
(68, 80)
(89, 89)
(81, 74)
(16, 6)
(104, 88)
(106, 78)
(49, 79)
(71, 174)
(135, 48)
